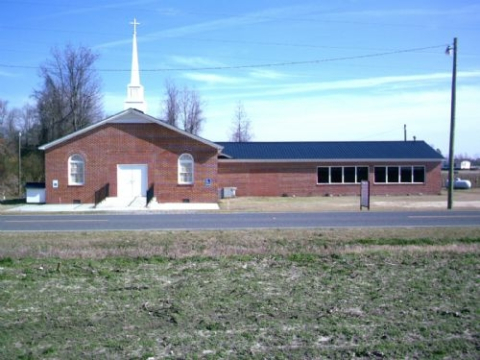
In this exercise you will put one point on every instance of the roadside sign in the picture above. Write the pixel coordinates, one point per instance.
(365, 195)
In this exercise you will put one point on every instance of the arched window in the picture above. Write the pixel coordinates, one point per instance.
(76, 170)
(185, 169)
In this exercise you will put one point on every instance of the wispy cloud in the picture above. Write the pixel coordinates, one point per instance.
(358, 116)
(223, 23)
(77, 10)
(7, 74)
(451, 10)
(194, 61)
(212, 79)
(377, 83)
(169, 11)
(267, 74)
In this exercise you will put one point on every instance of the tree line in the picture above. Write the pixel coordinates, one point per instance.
(69, 99)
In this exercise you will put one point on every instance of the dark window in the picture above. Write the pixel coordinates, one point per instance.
(322, 175)
(380, 174)
(406, 174)
(392, 175)
(342, 175)
(349, 174)
(402, 174)
(362, 173)
(336, 174)
(419, 174)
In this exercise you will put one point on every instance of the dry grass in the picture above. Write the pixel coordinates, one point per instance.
(463, 199)
(362, 301)
(317, 293)
(185, 244)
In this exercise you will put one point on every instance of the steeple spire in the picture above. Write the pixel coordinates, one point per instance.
(135, 97)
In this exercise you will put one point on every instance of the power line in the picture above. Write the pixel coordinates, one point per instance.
(261, 65)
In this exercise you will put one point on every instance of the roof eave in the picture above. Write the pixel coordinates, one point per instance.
(409, 160)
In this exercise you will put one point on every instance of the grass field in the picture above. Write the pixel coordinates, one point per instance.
(325, 293)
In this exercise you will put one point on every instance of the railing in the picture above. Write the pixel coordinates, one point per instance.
(102, 193)
(150, 194)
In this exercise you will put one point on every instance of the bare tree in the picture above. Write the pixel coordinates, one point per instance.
(3, 111)
(171, 103)
(191, 112)
(241, 125)
(183, 108)
(70, 98)
(10, 128)
(8, 150)
(27, 123)
(15, 121)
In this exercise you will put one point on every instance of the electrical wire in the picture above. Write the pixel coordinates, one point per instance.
(261, 65)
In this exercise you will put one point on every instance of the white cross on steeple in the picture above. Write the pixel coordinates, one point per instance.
(134, 23)
(135, 98)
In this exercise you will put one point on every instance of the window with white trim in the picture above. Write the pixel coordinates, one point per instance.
(399, 174)
(76, 170)
(341, 174)
(185, 169)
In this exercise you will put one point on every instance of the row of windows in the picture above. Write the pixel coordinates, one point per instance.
(325, 174)
(382, 174)
(76, 170)
(342, 174)
(399, 174)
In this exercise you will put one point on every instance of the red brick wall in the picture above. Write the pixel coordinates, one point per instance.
(105, 147)
(300, 179)
(111, 144)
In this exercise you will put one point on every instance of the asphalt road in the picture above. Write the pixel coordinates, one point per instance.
(219, 221)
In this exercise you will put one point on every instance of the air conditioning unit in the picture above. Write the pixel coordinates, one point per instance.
(229, 192)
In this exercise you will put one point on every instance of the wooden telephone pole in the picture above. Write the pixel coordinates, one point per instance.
(451, 153)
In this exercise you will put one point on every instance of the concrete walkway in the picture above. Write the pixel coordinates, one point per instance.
(114, 205)
(464, 200)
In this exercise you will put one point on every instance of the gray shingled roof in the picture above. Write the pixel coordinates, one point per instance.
(335, 150)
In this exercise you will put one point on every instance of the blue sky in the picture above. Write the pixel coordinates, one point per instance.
(304, 70)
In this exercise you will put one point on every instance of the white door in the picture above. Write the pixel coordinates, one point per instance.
(131, 180)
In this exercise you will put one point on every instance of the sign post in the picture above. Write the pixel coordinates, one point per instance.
(365, 195)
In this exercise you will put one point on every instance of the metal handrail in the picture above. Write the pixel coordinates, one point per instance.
(102, 193)
(150, 194)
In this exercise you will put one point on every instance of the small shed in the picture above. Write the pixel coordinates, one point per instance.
(35, 192)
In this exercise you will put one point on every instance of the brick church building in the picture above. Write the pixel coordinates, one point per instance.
(131, 153)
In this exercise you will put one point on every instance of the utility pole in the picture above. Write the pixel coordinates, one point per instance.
(19, 163)
(451, 152)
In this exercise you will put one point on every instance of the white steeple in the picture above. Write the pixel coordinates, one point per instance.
(135, 98)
